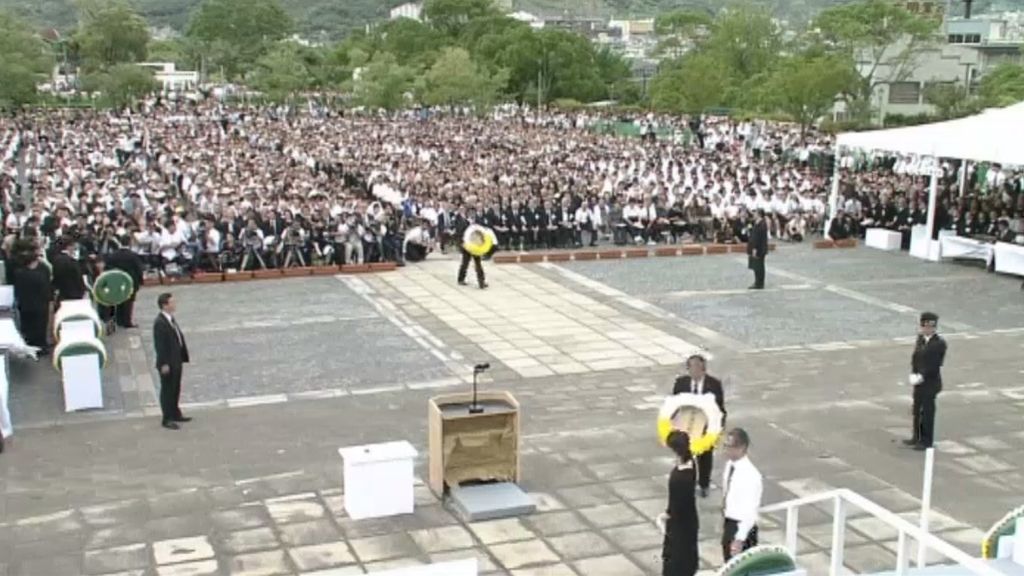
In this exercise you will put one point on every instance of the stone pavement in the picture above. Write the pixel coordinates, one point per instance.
(254, 485)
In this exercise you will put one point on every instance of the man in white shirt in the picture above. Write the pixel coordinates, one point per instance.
(743, 486)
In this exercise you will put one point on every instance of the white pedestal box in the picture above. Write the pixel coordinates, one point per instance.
(378, 479)
(883, 239)
(83, 386)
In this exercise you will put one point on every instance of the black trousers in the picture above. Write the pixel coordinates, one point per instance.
(124, 312)
(924, 414)
(35, 327)
(705, 462)
(729, 534)
(464, 267)
(757, 265)
(170, 393)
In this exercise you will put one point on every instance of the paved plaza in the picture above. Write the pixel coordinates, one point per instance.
(285, 372)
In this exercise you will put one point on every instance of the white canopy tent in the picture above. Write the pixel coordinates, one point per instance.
(992, 136)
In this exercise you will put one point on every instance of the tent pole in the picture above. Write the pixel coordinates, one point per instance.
(933, 198)
(963, 176)
(833, 197)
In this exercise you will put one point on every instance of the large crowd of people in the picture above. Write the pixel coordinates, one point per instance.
(196, 186)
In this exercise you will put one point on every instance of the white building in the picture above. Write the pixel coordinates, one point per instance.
(966, 50)
(413, 10)
(170, 78)
(532, 20)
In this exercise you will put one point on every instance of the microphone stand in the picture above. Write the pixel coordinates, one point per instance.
(475, 408)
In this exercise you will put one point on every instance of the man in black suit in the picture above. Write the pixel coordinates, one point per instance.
(757, 249)
(129, 262)
(171, 356)
(926, 364)
(68, 281)
(698, 382)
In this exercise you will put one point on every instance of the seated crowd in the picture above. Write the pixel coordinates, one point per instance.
(193, 186)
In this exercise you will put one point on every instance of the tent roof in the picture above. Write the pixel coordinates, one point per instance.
(992, 136)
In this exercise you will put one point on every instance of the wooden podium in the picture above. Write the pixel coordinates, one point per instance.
(473, 448)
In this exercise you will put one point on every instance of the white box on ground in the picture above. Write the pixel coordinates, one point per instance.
(883, 239)
(1018, 543)
(378, 479)
(6, 428)
(456, 568)
(83, 387)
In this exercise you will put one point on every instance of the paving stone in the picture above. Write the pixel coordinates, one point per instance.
(988, 443)
(868, 559)
(114, 536)
(639, 489)
(546, 502)
(484, 562)
(555, 523)
(238, 518)
(383, 547)
(182, 550)
(115, 559)
(591, 495)
(650, 508)
(611, 515)
(550, 570)
(259, 564)
(321, 556)
(295, 511)
(177, 527)
(633, 538)
(523, 554)
(441, 539)
(202, 568)
(984, 464)
(179, 503)
(63, 565)
(248, 541)
(344, 571)
(615, 565)
(115, 513)
(375, 567)
(305, 533)
(506, 530)
(579, 545)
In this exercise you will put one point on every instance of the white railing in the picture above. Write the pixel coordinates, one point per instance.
(841, 499)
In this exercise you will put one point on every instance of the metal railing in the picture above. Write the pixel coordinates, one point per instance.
(843, 498)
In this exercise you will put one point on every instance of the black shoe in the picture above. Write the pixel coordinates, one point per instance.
(911, 442)
(703, 492)
(181, 419)
(463, 283)
(921, 447)
(483, 286)
(170, 425)
(755, 287)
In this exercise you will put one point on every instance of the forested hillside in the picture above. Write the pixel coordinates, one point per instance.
(332, 19)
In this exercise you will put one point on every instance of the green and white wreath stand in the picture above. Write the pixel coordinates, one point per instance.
(79, 355)
(762, 561)
(999, 541)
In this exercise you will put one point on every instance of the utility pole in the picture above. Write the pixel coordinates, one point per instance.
(967, 9)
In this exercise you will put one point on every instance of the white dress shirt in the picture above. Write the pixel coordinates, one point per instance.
(742, 495)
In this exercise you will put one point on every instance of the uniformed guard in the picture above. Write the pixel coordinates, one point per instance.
(926, 378)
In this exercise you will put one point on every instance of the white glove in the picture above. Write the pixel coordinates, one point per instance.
(662, 521)
(916, 379)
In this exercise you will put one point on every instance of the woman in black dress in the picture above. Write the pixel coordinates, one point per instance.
(680, 522)
(34, 295)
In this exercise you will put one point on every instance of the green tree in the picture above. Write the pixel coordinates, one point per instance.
(452, 16)
(806, 87)
(109, 32)
(1002, 86)
(24, 62)
(456, 79)
(233, 34)
(121, 84)
(678, 28)
(882, 35)
(949, 99)
(178, 51)
(284, 70)
(412, 42)
(746, 41)
(383, 83)
(690, 84)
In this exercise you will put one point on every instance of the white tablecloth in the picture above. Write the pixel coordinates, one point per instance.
(960, 247)
(1009, 258)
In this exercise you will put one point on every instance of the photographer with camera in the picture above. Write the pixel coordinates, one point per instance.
(292, 248)
(350, 237)
(252, 246)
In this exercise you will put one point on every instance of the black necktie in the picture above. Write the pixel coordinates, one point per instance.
(177, 331)
(728, 482)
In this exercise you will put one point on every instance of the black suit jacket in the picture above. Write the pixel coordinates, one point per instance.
(927, 361)
(758, 240)
(67, 278)
(169, 350)
(712, 385)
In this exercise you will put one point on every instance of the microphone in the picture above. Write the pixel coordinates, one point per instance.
(482, 367)
(475, 408)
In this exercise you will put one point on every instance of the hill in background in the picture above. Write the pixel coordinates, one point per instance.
(333, 19)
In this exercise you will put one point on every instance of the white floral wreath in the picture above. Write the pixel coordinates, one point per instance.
(703, 402)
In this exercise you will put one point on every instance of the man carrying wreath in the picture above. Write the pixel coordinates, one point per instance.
(699, 382)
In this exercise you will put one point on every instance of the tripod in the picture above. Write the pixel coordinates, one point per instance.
(252, 252)
(292, 251)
